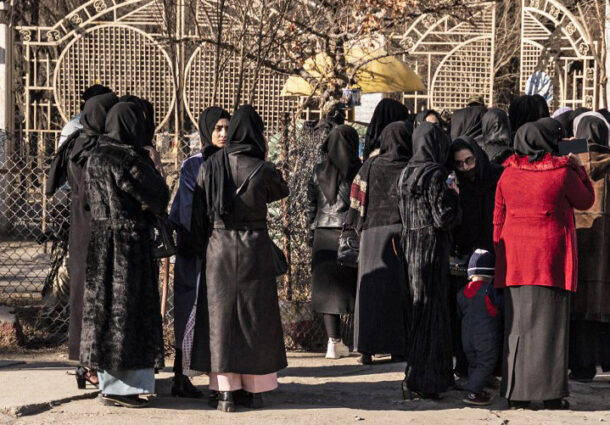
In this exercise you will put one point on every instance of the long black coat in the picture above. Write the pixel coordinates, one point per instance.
(121, 313)
(427, 219)
(245, 330)
(77, 260)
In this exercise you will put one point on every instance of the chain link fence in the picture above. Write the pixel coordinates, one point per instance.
(34, 279)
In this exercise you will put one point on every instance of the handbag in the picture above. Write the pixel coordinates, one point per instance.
(163, 240)
(280, 263)
(349, 248)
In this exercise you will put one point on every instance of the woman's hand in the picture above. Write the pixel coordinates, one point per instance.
(453, 185)
(156, 159)
(575, 159)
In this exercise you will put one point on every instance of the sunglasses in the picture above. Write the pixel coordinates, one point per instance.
(465, 163)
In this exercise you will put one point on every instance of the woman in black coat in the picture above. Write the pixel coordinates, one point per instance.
(93, 119)
(122, 334)
(333, 286)
(477, 179)
(246, 341)
(379, 317)
(429, 209)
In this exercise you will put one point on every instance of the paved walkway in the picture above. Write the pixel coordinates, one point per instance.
(38, 390)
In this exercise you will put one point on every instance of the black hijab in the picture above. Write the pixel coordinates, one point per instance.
(605, 113)
(386, 112)
(93, 118)
(485, 174)
(124, 124)
(396, 142)
(421, 117)
(526, 108)
(496, 135)
(594, 129)
(147, 111)
(431, 148)
(245, 137)
(536, 139)
(468, 122)
(207, 122)
(342, 160)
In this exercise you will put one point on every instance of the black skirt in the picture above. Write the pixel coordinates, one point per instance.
(536, 335)
(333, 289)
(379, 321)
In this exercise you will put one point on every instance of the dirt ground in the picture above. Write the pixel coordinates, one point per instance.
(312, 390)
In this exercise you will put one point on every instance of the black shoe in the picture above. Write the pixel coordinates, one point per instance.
(226, 402)
(183, 387)
(365, 359)
(556, 404)
(408, 394)
(248, 399)
(512, 404)
(397, 358)
(84, 375)
(213, 399)
(480, 399)
(132, 401)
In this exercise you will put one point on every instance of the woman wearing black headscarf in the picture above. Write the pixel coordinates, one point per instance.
(122, 334)
(496, 141)
(590, 325)
(379, 316)
(429, 115)
(477, 179)
(333, 290)
(229, 222)
(79, 148)
(387, 111)
(428, 210)
(536, 262)
(526, 108)
(468, 122)
(213, 126)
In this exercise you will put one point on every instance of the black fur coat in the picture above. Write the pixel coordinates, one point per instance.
(121, 313)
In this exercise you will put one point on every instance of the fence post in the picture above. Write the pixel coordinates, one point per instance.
(5, 103)
(285, 224)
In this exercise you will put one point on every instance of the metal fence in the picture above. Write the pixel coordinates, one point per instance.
(34, 229)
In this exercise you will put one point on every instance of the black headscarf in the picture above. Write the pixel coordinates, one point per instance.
(536, 139)
(431, 148)
(124, 124)
(342, 160)
(421, 117)
(245, 137)
(93, 118)
(386, 112)
(396, 142)
(594, 129)
(207, 122)
(605, 113)
(496, 135)
(468, 122)
(147, 111)
(526, 108)
(484, 175)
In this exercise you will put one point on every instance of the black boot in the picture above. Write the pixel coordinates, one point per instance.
(213, 399)
(556, 404)
(226, 402)
(248, 399)
(183, 387)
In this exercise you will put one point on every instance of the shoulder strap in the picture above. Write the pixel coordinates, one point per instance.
(242, 187)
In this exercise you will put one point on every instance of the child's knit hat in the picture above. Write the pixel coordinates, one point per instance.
(482, 263)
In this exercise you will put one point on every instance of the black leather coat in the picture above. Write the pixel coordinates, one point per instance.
(320, 212)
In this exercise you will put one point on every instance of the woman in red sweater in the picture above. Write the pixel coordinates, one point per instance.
(536, 261)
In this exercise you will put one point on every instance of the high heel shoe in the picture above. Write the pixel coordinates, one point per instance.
(84, 375)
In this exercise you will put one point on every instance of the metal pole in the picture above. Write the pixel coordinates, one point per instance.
(5, 101)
